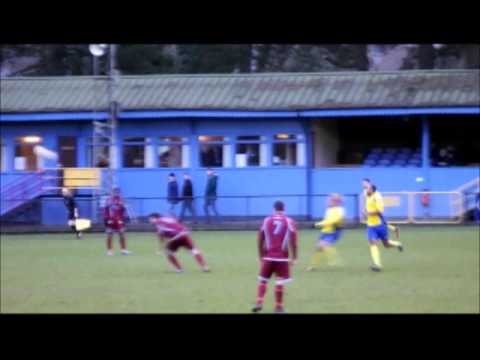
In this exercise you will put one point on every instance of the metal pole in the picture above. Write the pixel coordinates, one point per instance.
(112, 115)
(93, 144)
(426, 151)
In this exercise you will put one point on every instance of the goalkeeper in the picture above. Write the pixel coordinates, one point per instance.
(331, 230)
(72, 209)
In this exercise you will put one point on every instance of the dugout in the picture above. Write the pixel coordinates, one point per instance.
(296, 137)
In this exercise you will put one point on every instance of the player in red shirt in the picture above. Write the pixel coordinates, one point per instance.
(177, 236)
(115, 216)
(277, 235)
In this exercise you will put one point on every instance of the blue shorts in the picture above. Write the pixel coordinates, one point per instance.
(378, 232)
(331, 238)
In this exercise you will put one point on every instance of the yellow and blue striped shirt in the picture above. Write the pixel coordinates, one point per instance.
(333, 219)
(374, 203)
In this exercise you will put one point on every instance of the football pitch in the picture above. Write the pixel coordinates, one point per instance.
(54, 273)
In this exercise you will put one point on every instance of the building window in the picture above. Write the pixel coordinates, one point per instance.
(67, 149)
(98, 153)
(215, 151)
(250, 151)
(2, 156)
(25, 158)
(173, 152)
(134, 152)
(288, 150)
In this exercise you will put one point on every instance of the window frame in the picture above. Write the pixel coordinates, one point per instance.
(262, 141)
(89, 151)
(185, 142)
(229, 142)
(3, 155)
(16, 143)
(301, 139)
(144, 143)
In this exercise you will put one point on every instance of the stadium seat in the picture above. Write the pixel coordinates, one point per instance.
(399, 163)
(370, 162)
(372, 156)
(402, 156)
(406, 150)
(384, 162)
(414, 162)
(387, 156)
(376, 150)
(390, 150)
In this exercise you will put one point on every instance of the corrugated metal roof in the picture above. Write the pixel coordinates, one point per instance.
(279, 91)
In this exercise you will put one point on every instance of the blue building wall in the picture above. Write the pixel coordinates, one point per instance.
(146, 187)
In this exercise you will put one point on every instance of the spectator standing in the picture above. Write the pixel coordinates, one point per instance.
(172, 192)
(187, 197)
(425, 200)
(211, 193)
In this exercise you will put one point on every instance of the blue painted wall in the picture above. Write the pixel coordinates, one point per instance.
(146, 188)
(151, 183)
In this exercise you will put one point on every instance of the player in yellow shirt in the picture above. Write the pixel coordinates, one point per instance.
(377, 228)
(331, 230)
(391, 227)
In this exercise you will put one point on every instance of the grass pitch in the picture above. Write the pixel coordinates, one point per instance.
(437, 273)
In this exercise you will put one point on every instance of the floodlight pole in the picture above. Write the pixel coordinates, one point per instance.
(112, 115)
(108, 128)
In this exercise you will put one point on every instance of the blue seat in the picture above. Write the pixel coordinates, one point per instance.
(373, 156)
(387, 156)
(390, 150)
(384, 162)
(400, 162)
(370, 162)
(376, 150)
(414, 163)
(406, 150)
(402, 156)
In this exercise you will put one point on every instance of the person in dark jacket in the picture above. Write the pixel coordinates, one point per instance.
(72, 209)
(172, 192)
(187, 197)
(211, 194)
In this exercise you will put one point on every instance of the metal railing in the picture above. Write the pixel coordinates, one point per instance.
(21, 191)
(252, 207)
(229, 208)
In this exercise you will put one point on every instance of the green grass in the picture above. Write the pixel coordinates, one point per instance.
(437, 273)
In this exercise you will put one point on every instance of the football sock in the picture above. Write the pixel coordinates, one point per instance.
(109, 242)
(375, 253)
(331, 253)
(278, 295)
(123, 243)
(394, 243)
(391, 227)
(316, 258)
(200, 260)
(262, 289)
(173, 260)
